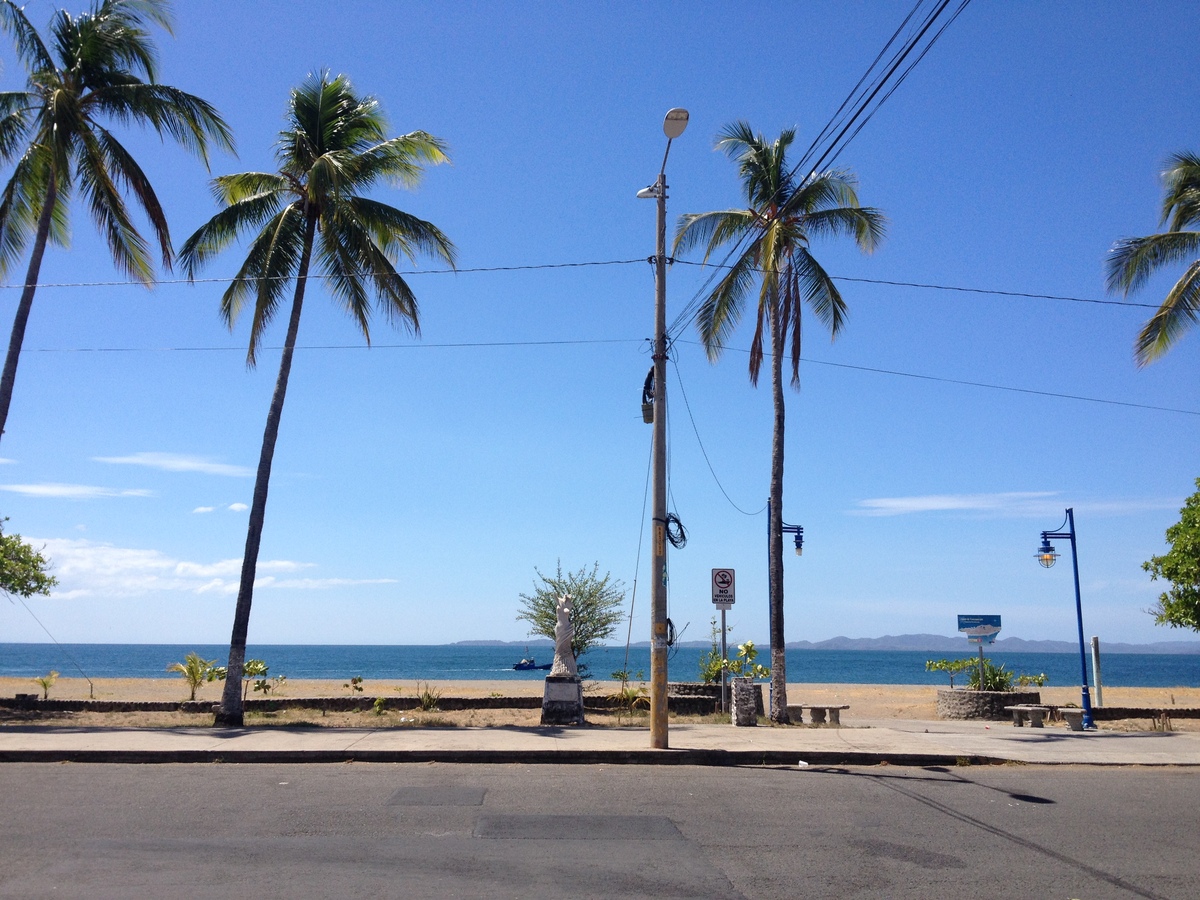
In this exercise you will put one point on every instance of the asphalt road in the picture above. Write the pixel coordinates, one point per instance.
(522, 831)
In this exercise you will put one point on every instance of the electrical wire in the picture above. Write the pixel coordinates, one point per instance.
(983, 384)
(703, 452)
(637, 566)
(66, 653)
(318, 276)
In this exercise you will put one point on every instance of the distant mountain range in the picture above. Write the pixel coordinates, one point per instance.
(930, 643)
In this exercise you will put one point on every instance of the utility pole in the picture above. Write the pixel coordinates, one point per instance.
(673, 126)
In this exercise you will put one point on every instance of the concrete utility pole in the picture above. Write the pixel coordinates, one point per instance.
(673, 126)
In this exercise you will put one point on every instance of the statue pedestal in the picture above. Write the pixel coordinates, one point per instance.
(562, 702)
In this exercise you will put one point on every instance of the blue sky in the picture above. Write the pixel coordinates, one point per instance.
(418, 483)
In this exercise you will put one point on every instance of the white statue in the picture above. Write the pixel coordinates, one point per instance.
(564, 631)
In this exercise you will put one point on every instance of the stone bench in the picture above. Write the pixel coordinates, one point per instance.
(818, 713)
(1022, 711)
(1073, 715)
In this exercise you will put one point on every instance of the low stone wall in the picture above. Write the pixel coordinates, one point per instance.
(681, 705)
(981, 704)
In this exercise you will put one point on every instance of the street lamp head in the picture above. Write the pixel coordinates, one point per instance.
(1046, 555)
(675, 122)
(799, 541)
(648, 193)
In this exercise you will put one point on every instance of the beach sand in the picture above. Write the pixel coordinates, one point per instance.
(867, 701)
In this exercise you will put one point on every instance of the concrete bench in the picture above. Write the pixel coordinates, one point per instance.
(818, 713)
(1022, 711)
(1073, 715)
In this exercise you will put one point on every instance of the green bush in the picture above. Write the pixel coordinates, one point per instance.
(992, 677)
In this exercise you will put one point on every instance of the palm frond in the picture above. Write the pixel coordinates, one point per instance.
(125, 170)
(273, 259)
(1132, 261)
(224, 228)
(866, 225)
(819, 291)
(192, 122)
(400, 160)
(721, 310)
(126, 246)
(398, 232)
(244, 185)
(1178, 313)
(1181, 201)
(29, 43)
(714, 229)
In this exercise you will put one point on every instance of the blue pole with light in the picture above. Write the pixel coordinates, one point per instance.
(1046, 556)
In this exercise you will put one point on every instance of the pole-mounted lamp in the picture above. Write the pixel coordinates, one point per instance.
(1046, 557)
(655, 391)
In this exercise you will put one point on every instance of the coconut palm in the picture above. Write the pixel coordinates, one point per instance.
(194, 669)
(333, 149)
(1133, 260)
(769, 241)
(90, 72)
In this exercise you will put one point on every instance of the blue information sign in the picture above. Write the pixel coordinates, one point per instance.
(979, 629)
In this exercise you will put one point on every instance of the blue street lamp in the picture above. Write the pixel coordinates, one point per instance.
(1046, 556)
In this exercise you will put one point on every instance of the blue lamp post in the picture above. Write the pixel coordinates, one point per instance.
(1046, 556)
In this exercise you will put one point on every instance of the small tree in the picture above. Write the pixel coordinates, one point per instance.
(711, 663)
(22, 569)
(195, 671)
(46, 682)
(1180, 606)
(597, 606)
(951, 667)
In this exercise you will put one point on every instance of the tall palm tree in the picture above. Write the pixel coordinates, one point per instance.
(333, 149)
(1133, 260)
(91, 71)
(769, 242)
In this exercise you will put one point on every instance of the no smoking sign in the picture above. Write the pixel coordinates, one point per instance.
(723, 586)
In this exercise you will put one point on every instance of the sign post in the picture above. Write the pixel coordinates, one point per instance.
(723, 594)
(980, 630)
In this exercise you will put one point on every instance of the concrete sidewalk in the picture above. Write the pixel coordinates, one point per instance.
(894, 741)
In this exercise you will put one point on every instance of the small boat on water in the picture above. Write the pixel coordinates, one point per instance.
(528, 664)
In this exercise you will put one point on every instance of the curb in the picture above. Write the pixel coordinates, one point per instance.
(692, 757)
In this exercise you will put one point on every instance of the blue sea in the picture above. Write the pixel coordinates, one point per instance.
(479, 663)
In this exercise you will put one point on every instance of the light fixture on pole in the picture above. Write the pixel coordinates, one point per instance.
(1046, 557)
(797, 530)
(673, 126)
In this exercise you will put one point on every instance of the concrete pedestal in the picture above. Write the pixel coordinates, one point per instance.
(562, 702)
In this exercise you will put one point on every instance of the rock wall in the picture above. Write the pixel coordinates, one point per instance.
(981, 704)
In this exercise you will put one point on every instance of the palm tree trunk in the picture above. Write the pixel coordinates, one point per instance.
(778, 710)
(17, 338)
(231, 712)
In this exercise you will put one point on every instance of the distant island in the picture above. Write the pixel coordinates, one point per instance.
(938, 643)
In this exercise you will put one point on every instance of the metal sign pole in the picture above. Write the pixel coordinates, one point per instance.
(724, 674)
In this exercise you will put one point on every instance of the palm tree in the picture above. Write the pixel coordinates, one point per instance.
(89, 73)
(769, 242)
(334, 147)
(1133, 260)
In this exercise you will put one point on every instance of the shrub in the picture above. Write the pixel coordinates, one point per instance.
(46, 682)
(989, 677)
(195, 671)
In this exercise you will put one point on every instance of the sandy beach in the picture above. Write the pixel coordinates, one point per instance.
(867, 701)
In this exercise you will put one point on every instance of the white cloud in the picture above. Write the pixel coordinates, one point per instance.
(203, 509)
(89, 568)
(1012, 504)
(7, 462)
(238, 507)
(72, 491)
(177, 462)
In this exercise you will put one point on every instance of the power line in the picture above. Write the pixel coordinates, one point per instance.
(320, 277)
(704, 453)
(422, 346)
(967, 290)
(983, 384)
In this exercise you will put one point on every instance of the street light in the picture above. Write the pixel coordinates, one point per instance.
(1046, 557)
(673, 125)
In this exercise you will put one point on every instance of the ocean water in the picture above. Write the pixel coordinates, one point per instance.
(478, 663)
